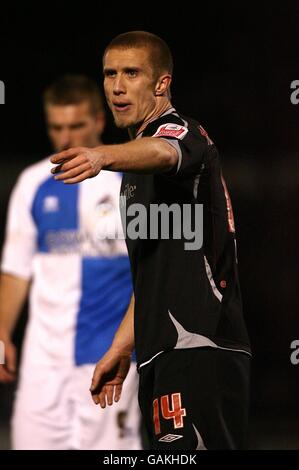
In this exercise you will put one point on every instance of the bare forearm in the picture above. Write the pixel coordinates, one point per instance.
(124, 337)
(13, 292)
(142, 155)
(145, 155)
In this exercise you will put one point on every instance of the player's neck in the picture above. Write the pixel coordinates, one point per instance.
(160, 108)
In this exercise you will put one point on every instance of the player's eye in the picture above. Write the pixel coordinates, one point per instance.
(132, 73)
(79, 125)
(109, 73)
(55, 128)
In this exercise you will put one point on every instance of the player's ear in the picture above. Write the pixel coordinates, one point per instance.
(162, 85)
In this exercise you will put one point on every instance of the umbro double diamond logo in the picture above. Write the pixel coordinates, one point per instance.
(170, 437)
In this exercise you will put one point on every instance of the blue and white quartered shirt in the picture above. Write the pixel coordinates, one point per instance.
(63, 238)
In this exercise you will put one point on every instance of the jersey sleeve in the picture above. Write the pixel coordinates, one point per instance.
(20, 233)
(189, 141)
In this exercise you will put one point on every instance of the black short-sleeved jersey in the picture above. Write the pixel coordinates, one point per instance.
(184, 298)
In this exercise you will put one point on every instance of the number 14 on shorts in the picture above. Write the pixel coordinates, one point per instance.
(168, 407)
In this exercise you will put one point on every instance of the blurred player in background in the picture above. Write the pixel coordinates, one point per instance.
(79, 284)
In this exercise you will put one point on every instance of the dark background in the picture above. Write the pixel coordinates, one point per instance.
(234, 64)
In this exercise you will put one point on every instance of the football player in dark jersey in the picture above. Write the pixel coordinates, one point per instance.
(185, 318)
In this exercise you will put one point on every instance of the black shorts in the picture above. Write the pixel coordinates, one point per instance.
(196, 399)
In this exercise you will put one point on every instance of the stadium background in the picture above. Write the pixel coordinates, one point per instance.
(233, 68)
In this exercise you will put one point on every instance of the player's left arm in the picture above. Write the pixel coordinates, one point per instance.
(145, 155)
(112, 369)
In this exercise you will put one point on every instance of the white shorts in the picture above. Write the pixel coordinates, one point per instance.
(54, 411)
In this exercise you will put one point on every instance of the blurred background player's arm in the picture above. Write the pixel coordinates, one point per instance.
(16, 268)
(13, 293)
(112, 369)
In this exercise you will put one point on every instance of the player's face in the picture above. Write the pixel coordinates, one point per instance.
(129, 85)
(73, 125)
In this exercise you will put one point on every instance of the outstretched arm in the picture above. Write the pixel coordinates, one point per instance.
(112, 369)
(145, 155)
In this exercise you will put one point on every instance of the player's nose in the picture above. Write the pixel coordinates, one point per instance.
(119, 85)
(65, 141)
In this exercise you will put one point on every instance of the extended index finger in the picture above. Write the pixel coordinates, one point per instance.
(64, 155)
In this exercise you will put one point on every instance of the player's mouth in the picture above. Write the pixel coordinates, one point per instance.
(121, 107)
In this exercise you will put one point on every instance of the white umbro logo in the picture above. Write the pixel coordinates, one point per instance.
(51, 204)
(170, 437)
